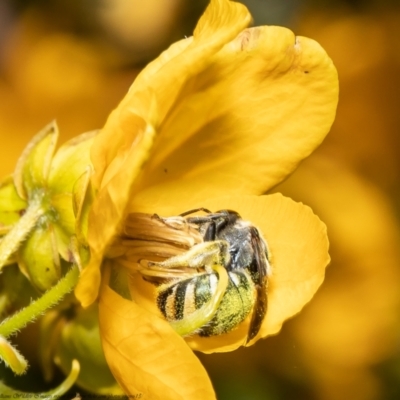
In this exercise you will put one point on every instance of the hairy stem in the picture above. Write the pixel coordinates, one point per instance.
(13, 239)
(28, 314)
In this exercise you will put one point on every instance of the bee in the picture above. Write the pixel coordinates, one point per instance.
(216, 284)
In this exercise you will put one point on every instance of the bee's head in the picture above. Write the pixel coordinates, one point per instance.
(230, 215)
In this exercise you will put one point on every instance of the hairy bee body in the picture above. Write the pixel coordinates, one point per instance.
(176, 300)
(187, 283)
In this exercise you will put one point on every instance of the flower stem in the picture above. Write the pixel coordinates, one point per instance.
(52, 394)
(10, 242)
(38, 307)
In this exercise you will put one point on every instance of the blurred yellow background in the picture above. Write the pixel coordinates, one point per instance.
(73, 61)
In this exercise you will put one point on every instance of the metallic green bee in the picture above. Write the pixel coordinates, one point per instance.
(211, 288)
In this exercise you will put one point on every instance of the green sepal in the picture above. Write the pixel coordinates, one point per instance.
(11, 205)
(12, 357)
(64, 224)
(80, 339)
(80, 253)
(83, 196)
(33, 166)
(70, 162)
(39, 259)
(119, 282)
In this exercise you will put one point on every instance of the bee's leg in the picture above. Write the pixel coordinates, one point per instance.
(177, 223)
(195, 211)
(202, 255)
(194, 321)
(160, 275)
(210, 233)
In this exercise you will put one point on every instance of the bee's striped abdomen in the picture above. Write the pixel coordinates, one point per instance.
(179, 299)
(203, 290)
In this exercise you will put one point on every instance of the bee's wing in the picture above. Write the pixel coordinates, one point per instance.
(261, 268)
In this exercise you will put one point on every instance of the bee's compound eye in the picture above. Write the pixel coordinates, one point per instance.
(230, 213)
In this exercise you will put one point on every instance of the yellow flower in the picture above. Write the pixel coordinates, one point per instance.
(216, 121)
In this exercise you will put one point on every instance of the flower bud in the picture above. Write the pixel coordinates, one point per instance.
(37, 208)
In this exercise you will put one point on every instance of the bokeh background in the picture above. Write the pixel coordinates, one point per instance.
(73, 60)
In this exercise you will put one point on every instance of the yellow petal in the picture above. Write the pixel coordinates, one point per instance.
(298, 246)
(166, 76)
(264, 103)
(87, 289)
(146, 356)
(105, 217)
(123, 146)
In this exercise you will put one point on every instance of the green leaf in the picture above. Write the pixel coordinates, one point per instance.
(51, 325)
(80, 339)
